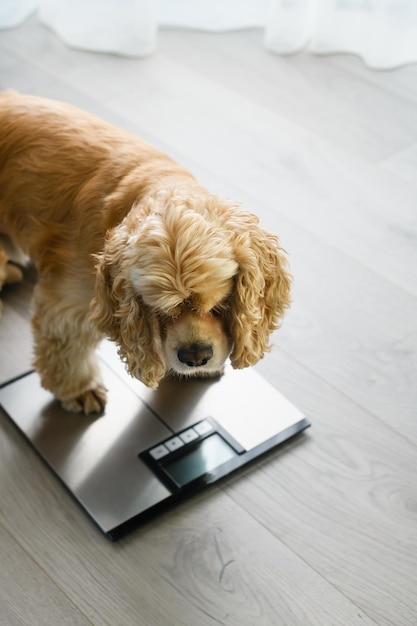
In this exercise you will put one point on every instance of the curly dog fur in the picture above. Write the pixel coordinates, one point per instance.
(129, 246)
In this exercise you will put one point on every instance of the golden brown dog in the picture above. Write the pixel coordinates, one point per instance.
(128, 245)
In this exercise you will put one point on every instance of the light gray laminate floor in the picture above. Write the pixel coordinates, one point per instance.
(323, 532)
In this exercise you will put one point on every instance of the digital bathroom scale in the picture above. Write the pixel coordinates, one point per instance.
(150, 448)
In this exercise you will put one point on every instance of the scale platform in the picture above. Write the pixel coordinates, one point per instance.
(150, 449)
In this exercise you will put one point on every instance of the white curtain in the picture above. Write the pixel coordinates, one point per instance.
(382, 32)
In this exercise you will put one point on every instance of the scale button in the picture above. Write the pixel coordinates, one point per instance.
(158, 452)
(174, 444)
(189, 435)
(203, 427)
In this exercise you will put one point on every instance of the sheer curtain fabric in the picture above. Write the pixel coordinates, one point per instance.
(382, 32)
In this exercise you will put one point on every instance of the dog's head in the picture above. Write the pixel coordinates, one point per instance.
(185, 282)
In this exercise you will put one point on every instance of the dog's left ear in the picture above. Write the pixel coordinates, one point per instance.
(120, 313)
(261, 293)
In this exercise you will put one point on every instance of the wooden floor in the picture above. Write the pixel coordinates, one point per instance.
(324, 531)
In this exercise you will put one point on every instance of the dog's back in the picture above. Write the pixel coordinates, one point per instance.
(66, 176)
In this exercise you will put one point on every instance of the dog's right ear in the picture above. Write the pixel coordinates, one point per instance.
(120, 313)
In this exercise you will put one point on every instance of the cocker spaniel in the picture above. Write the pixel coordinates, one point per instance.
(129, 246)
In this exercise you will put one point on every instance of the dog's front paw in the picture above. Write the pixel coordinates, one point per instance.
(90, 401)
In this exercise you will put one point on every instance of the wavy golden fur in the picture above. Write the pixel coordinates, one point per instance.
(128, 245)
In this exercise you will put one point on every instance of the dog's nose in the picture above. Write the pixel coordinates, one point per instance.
(195, 354)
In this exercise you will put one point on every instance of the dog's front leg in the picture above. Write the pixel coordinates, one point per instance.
(65, 351)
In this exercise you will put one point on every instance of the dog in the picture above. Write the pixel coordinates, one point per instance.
(129, 246)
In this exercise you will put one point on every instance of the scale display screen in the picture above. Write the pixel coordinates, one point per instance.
(209, 454)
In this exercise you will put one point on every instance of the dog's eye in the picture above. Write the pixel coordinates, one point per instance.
(217, 311)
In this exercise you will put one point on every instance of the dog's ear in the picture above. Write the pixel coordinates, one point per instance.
(120, 313)
(261, 292)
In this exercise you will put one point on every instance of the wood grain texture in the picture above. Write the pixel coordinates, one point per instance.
(403, 164)
(27, 595)
(355, 516)
(324, 531)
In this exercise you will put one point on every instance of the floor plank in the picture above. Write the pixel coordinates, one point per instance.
(355, 330)
(27, 595)
(403, 164)
(401, 80)
(358, 504)
(346, 107)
